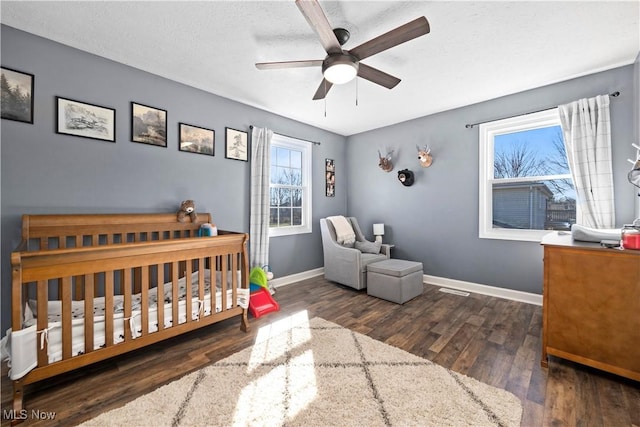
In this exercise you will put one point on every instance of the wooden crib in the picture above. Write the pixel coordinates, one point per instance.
(71, 261)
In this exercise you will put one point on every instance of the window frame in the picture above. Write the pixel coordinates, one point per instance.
(304, 147)
(487, 132)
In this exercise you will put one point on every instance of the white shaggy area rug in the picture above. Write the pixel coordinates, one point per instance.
(303, 372)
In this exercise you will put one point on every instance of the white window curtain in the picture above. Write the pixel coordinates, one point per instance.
(587, 138)
(259, 218)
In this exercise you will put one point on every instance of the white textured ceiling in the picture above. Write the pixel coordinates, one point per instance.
(475, 51)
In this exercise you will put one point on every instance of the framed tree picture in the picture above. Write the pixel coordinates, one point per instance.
(85, 120)
(148, 125)
(195, 139)
(237, 145)
(17, 95)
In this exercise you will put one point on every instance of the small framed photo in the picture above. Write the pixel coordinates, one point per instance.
(148, 125)
(85, 120)
(17, 95)
(330, 177)
(237, 145)
(195, 139)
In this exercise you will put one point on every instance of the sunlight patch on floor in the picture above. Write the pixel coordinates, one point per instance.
(290, 386)
(273, 339)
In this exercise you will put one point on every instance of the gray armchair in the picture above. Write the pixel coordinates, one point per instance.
(347, 266)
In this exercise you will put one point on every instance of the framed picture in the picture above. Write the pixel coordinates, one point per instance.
(237, 145)
(330, 177)
(17, 95)
(195, 139)
(148, 125)
(86, 120)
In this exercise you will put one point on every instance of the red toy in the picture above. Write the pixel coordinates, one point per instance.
(261, 302)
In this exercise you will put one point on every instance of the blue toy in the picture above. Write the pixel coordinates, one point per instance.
(207, 230)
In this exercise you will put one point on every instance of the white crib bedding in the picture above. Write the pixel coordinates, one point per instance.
(54, 308)
(20, 348)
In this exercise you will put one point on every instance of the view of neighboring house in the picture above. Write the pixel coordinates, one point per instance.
(520, 205)
(531, 206)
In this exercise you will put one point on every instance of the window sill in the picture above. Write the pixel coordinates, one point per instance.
(288, 231)
(520, 235)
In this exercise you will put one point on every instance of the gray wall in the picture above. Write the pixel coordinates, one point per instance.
(436, 220)
(44, 172)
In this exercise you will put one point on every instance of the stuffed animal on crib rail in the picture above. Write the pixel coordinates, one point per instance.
(385, 162)
(424, 156)
(187, 207)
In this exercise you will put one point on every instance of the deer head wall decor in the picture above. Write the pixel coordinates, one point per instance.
(385, 162)
(424, 156)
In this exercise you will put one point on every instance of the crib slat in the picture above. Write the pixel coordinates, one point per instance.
(160, 295)
(174, 293)
(234, 280)
(201, 268)
(66, 317)
(144, 303)
(126, 274)
(88, 312)
(42, 296)
(223, 285)
(188, 289)
(108, 308)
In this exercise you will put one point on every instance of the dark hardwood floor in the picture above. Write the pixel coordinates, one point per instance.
(494, 340)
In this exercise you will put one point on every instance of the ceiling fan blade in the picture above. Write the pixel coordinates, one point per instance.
(322, 89)
(318, 21)
(376, 76)
(288, 64)
(404, 33)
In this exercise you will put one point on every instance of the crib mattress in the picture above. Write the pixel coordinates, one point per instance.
(20, 347)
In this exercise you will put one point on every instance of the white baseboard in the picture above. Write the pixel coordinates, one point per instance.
(484, 289)
(476, 288)
(292, 278)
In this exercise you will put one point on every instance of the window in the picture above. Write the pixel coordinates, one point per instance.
(525, 184)
(290, 186)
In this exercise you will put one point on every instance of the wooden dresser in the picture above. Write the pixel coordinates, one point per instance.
(591, 305)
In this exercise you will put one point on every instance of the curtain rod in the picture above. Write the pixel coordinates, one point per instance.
(471, 125)
(294, 137)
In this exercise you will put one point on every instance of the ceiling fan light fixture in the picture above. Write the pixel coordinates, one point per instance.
(341, 68)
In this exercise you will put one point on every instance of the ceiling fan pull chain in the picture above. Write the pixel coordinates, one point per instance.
(356, 91)
(325, 97)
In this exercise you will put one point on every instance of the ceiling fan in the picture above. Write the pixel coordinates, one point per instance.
(341, 66)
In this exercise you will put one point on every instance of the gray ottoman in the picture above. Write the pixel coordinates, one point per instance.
(395, 280)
